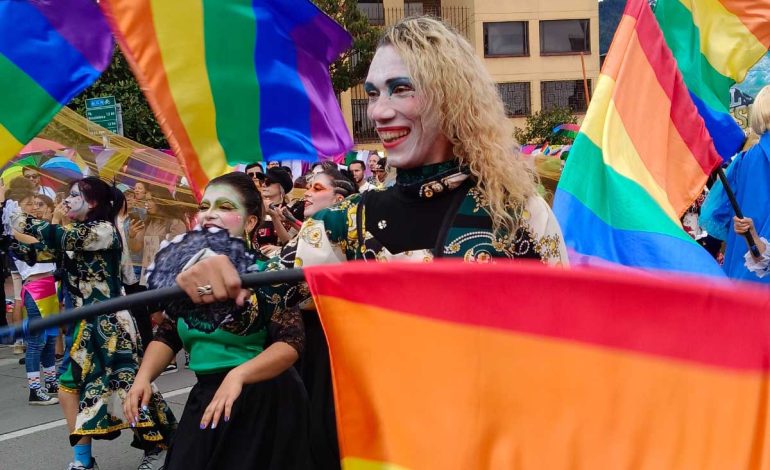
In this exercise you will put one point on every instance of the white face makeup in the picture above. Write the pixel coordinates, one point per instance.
(222, 207)
(320, 195)
(77, 208)
(411, 138)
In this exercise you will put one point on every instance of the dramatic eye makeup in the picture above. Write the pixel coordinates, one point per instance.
(399, 86)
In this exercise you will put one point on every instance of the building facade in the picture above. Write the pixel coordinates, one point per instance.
(542, 53)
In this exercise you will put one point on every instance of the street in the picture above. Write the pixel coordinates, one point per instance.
(35, 437)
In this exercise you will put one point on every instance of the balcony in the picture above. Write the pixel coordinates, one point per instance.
(457, 17)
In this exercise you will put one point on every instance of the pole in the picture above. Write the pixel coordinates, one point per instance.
(585, 80)
(126, 302)
(734, 202)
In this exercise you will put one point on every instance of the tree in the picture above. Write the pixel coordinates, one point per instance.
(139, 123)
(540, 127)
(350, 69)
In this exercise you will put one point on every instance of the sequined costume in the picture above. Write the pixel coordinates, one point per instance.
(105, 349)
(431, 212)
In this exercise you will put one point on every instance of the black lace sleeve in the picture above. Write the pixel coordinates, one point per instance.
(168, 335)
(286, 326)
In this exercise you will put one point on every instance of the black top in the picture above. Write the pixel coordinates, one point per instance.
(417, 219)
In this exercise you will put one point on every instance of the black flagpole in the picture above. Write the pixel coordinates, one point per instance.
(731, 196)
(126, 302)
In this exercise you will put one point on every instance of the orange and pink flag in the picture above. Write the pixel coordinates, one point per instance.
(458, 366)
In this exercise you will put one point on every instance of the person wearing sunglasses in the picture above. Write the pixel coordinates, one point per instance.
(33, 175)
(254, 171)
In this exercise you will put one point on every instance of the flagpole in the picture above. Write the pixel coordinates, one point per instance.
(734, 202)
(585, 80)
(140, 299)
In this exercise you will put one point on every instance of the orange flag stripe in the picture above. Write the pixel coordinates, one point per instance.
(436, 394)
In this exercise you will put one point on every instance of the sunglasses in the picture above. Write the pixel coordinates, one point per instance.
(255, 175)
(32, 177)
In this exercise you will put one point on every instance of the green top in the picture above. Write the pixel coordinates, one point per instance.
(220, 350)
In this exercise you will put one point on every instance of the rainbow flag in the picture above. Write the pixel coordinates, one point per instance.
(568, 129)
(43, 292)
(517, 365)
(49, 52)
(236, 81)
(715, 43)
(642, 157)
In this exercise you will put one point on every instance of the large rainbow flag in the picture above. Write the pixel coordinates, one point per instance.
(715, 43)
(641, 158)
(49, 52)
(516, 365)
(236, 81)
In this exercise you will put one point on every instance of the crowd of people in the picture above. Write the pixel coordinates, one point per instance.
(450, 187)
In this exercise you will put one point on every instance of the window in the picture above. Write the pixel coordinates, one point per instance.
(363, 127)
(374, 10)
(564, 94)
(516, 97)
(506, 39)
(413, 8)
(564, 37)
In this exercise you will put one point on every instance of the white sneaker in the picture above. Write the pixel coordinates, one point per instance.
(153, 461)
(79, 466)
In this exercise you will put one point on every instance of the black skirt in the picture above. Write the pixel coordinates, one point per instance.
(268, 428)
(315, 370)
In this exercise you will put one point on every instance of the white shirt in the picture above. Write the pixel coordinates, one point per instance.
(46, 191)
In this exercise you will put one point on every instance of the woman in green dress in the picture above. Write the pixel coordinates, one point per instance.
(106, 349)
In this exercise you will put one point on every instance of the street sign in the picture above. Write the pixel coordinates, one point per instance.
(103, 111)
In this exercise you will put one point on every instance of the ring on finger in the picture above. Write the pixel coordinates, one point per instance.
(205, 290)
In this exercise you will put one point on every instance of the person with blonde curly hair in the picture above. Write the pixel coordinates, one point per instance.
(461, 189)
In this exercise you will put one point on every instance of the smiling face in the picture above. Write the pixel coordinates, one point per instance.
(411, 138)
(222, 207)
(77, 206)
(320, 195)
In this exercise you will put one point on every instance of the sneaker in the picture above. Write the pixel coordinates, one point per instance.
(171, 368)
(39, 397)
(52, 389)
(79, 466)
(153, 461)
(18, 348)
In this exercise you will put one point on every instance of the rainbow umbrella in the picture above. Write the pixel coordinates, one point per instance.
(13, 171)
(62, 169)
(38, 145)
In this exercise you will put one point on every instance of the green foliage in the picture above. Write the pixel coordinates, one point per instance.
(540, 127)
(350, 69)
(139, 123)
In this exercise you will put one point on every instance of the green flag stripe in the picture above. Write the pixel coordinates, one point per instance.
(618, 201)
(230, 44)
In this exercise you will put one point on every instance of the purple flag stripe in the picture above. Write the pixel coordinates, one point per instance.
(81, 24)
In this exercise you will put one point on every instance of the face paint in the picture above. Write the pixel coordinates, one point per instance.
(320, 195)
(222, 207)
(77, 209)
(411, 137)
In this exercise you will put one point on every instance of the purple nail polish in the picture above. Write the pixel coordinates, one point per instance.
(214, 426)
(203, 426)
(227, 418)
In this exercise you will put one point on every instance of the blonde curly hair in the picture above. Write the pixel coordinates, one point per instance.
(456, 86)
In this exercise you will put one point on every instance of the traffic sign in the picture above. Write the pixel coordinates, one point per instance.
(103, 111)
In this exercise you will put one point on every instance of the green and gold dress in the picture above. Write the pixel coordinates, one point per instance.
(105, 350)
